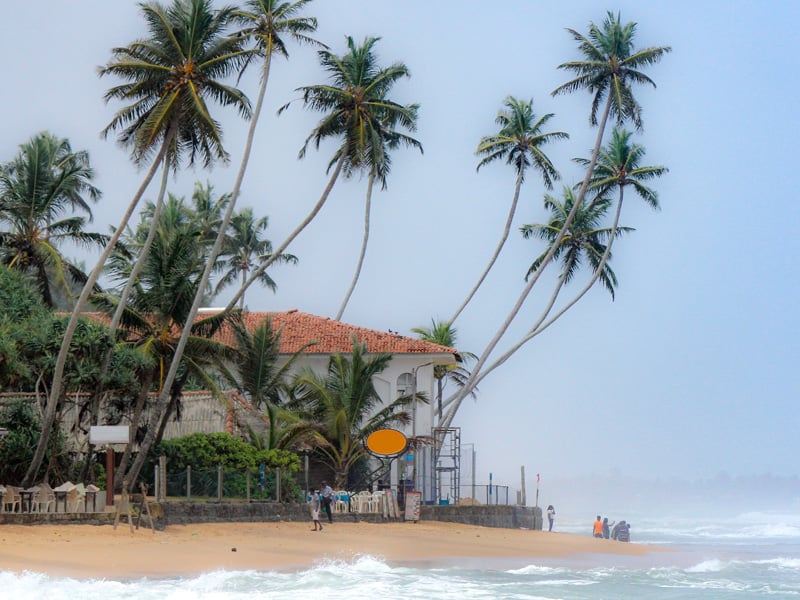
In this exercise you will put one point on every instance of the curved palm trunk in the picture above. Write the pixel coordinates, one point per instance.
(364, 241)
(138, 409)
(456, 400)
(506, 231)
(138, 265)
(540, 325)
(126, 291)
(58, 372)
(317, 207)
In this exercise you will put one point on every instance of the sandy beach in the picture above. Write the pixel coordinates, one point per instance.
(89, 551)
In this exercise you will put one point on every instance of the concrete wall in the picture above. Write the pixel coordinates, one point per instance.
(183, 513)
(172, 513)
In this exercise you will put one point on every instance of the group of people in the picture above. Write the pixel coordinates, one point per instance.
(603, 529)
(321, 501)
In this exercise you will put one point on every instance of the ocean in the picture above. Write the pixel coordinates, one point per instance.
(751, 555)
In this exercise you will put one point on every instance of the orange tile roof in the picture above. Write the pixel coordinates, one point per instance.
(331, 336)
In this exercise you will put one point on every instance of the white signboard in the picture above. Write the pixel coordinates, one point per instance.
(413, 501)
(109, 434)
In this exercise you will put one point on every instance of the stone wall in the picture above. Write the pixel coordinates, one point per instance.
(172, 513)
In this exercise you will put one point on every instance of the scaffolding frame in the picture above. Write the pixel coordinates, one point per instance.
(447, 464)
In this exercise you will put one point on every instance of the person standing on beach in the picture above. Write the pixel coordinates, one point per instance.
(551, 516)
(598, 528)
(315, 506)
(327, 500)
(606, 525)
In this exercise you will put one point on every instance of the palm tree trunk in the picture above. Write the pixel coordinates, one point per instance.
(88, 287)
(497, 250)
(138, 409)
(317, 207)
(364, 241)
(472, 380)
(138, 265)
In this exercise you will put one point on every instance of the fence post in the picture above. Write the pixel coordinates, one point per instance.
(162, 478)
(219, 483)
(278, 484)
(248, 485)
(156, 481)
(188, 482)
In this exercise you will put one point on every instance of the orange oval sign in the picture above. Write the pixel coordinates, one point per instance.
(386, 442)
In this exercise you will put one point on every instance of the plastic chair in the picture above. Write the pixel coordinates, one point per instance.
(11, 501)
(44, 499)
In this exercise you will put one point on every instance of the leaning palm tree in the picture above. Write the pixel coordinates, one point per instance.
(346, 404)
(609, 68)
(358, 114)
(40, 190)
(244, 249)
(170, 77)
(584, 241)
(618, 165)
(519, 142)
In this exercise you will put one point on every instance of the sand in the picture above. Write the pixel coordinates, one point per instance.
(91, 551)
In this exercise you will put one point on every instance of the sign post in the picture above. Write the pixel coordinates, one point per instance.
(106, 435)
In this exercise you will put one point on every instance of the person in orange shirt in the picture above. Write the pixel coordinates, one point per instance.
(598, 527)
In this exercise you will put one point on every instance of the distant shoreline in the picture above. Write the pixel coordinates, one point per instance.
(91, 551)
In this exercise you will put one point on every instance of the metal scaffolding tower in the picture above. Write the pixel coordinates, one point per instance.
(447, 463)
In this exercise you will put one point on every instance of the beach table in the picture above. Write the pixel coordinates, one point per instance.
(62, 493)
(26, 499)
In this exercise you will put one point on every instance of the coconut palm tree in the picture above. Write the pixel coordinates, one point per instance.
(170, 77)
(346, 404)
(519, 142)
(358, 114)
(40, 190)
(244, 249)
(617, 165)
(444, 334)
(609, 68)
(583, 242)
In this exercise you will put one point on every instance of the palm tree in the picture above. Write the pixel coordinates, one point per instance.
(444, 334)
(519, 142)
(244, 249)
(610, 67)
(40, 189)
(345, 403)
(261, 375)
(170, 76)
(617, 165)
(358, 114)
(584, 240)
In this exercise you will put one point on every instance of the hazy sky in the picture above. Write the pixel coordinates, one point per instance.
(692, 371)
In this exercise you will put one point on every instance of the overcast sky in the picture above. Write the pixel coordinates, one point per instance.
(692, 371)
